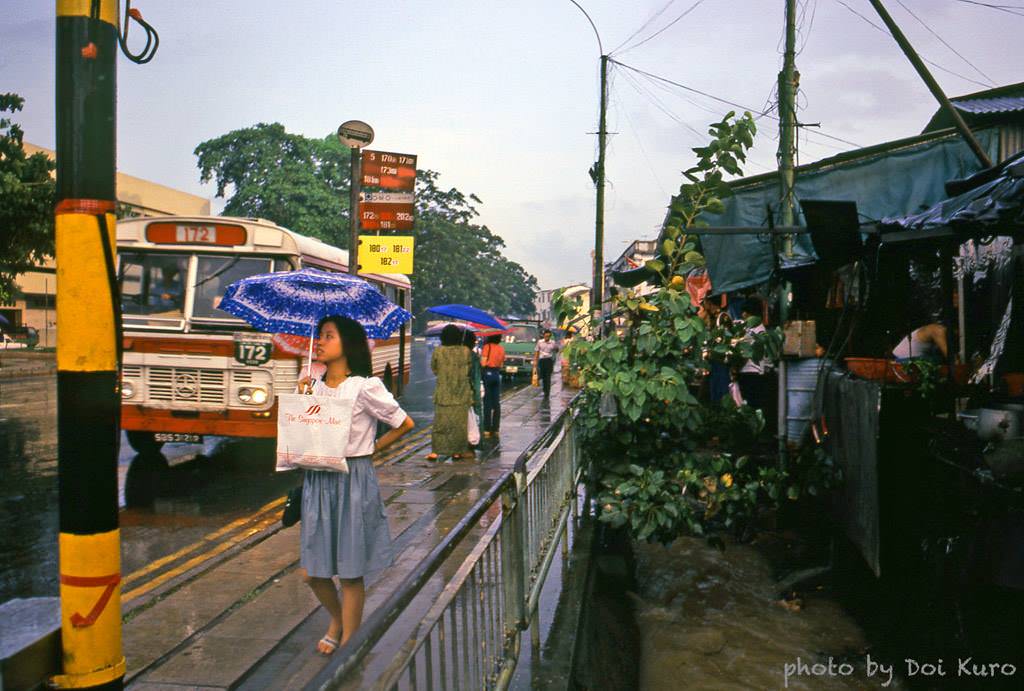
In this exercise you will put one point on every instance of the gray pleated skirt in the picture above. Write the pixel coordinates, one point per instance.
(344, 530)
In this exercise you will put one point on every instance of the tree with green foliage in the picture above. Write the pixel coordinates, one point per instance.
(303, 184)
(26, 202)
(668, 464)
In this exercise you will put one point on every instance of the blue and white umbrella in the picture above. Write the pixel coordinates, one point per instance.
(292, 302)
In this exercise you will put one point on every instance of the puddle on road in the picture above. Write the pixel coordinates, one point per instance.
(713, 619)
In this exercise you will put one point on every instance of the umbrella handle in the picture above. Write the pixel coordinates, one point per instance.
(309, 360)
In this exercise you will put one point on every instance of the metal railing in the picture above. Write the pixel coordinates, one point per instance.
(470, 637)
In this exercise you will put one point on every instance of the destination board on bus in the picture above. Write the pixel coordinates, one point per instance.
(389, 170)
(385, 254)
(195, 234)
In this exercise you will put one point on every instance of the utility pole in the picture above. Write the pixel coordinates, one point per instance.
(788, 81)
(932, 85)
(602, 138)
(88, 356)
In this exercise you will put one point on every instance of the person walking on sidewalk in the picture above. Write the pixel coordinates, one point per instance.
(450, 363)
(492, 359)
(544, 361)
(344, 529)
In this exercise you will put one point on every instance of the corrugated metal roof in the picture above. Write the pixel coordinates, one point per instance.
(985, 106)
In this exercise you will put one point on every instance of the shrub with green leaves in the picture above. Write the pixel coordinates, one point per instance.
(666, 463)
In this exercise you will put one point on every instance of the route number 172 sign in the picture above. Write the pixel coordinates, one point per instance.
(385, 254)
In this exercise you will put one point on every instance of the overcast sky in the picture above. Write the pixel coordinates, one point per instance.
(500, 96)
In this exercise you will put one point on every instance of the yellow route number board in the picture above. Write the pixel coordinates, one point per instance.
(385, 254)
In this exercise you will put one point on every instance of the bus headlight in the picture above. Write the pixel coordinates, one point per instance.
(252, 395)
(127, 389)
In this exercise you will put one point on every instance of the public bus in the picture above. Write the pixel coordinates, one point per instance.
(190, 369)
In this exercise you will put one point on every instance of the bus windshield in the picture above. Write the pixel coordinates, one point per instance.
(215, 273)
(155, 288)
(153, 285)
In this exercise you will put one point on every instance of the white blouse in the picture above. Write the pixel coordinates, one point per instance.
(372, 403)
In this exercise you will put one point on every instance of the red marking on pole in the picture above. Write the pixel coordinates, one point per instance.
(89, 52)
(108, 583)
(91, 207)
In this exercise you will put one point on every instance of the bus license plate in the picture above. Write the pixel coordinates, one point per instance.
(178, 438)
(511, 370)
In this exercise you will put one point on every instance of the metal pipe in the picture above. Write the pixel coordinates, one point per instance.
(932, 85)
(353, 211)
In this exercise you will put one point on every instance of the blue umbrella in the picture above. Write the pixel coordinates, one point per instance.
(469, 314)
(292, 302)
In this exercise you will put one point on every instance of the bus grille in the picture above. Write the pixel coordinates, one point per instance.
(186, 385)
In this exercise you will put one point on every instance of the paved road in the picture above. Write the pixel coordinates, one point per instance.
(168, 500)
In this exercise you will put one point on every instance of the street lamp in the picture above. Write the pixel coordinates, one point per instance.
(597, 173)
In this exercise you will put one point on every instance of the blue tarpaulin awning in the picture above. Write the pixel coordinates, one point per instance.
(891, 179)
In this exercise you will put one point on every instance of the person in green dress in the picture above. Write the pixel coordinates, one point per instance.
(451, 363)
(475, 376)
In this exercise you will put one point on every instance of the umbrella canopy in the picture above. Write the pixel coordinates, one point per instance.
(292, 302)
(436, 329)
(490, 332)
(467, 313)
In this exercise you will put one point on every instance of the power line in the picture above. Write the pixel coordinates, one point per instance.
(723, 100)
(810, 24)
(636, 135)
(643, 27)
(944, 42)
(930, 62)
(666, 27)
(660, 105)
(1009, 9)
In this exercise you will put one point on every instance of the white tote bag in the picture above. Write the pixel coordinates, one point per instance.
(473, 428)
(312, 431)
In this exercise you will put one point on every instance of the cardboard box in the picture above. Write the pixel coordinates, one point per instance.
(801, 338)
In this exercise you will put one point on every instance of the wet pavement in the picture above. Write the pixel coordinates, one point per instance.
(244, 618)
(170, 500)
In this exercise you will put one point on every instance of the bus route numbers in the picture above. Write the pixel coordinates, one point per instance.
(386, 254)
(197, 234)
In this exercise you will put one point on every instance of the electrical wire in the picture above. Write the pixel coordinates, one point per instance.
(666, 27)
(701, 137)
(944, 42)
(930, 62)
(643, 27)
(1009, 9)
(636, 136)
(725, 101)
(810, 24)
(152, 37)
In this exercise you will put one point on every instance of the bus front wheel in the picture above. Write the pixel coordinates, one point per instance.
(143, 442)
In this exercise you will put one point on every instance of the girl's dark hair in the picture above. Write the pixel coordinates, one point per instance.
(468, 339)
(353, 344)
(451, 335)
(493, 338)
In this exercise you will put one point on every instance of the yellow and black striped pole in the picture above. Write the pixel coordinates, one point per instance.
(88, 403)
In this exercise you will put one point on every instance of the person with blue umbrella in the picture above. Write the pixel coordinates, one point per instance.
(344, 530)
